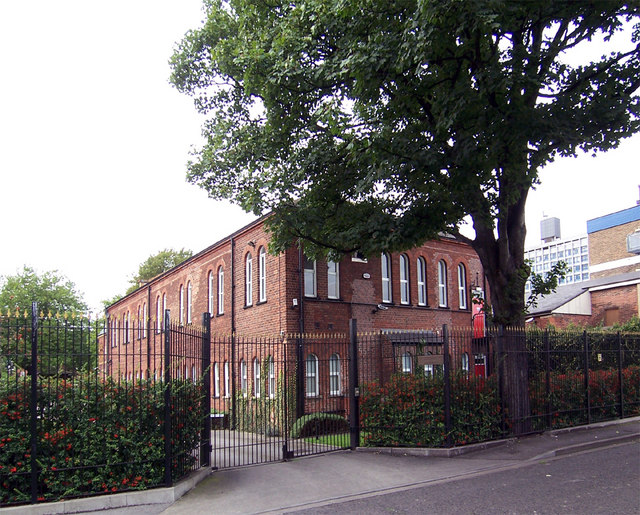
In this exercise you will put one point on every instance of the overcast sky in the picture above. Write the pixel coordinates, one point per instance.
(94, 142)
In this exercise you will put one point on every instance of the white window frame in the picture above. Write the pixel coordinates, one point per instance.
(210, 292)
(225, 370)
(404, 279)
(311, 375)
(145, 317)
(189, 302)
(271, 369)
(158, 315)
(407, 363)
(216, 380)
(385, 266)
(262, 274)
(256, 377)
(462, 286)
(181, 304)
(164, 307)
(334, 375)
(243, 377)
(248, 280)
(220, 290)
(465, 363)
(442, 284)
(333, 279)
(139, 323)
(309, 276)
(422, 281)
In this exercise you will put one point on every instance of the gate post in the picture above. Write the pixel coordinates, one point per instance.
(167, 400)
(620, 376)
(205, 436)
(587, 394)
(447, 386)
(354, 386)
(33, 410)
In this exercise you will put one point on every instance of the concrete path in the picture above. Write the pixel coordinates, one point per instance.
(343, 475)
(321, 480)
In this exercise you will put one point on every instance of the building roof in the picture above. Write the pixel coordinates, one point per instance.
(613, 219)
(568, 292)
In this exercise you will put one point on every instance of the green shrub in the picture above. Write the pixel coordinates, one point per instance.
(94, 437)
(316, 424)
(408, 411)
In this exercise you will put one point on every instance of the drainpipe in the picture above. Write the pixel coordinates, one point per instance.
(232, 422)
(147, 324)
(300, 341)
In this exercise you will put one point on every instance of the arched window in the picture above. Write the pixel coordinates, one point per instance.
(442, 284)
(189, 302)
(262, 274)
(248, 281)
(309, 266)
(145, 318)
(225, 371)
(462, 287)
(272, 377)
(465, 363)
(386, 277)
(334, 374)
(127, 324)
(164, 308)
(256, 377)
(158, 314)
(216, 380)
(220, 291)
(333, 280)
(181, 304)
(139, 323)
(407, 363)
(243, 377)
(311, 375)
(404, 279)
(422, 282)
(210, 292)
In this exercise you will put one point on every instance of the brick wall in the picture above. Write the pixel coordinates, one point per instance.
(611, 245)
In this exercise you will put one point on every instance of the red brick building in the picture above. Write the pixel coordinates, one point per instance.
(263, 299)
(253, 293)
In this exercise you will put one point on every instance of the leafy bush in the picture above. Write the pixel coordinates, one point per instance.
(316, 424)
(94, 437)
(408, 411)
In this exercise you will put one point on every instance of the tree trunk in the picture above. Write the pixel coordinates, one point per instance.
(503, 262)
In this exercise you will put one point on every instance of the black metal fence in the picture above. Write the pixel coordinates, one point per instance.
(448, 387)
(118, 404)
(92, 407)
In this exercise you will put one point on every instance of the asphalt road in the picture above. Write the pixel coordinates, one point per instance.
(605, 481)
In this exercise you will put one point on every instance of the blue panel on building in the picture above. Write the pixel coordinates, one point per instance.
(607, 221)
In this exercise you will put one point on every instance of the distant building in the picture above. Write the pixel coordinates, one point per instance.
(573, 251)
(611, 253)
(614, 242)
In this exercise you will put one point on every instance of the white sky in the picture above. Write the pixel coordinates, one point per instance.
(94, 142)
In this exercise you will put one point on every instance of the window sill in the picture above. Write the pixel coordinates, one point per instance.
(261, 302)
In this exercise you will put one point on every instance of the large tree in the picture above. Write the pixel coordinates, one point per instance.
(157, 264)
(375, 124)
(63, 349)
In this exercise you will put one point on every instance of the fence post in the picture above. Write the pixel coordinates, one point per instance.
(447, 387)
(547, 366)
(620, 377)
(500, 370)
(167, 400)
(205, 437)
(587, 395)
(33, 405)
(354, 386)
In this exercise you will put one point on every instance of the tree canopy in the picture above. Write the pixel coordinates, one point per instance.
(53, 292)
(157, 264)
(376, 125)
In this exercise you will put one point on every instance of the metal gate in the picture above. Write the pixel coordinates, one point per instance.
(278, 398)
